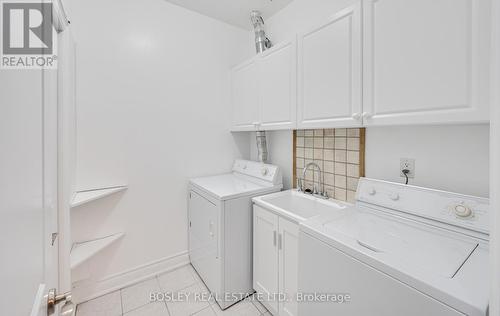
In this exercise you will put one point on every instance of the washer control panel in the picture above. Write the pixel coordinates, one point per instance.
(266, 172)
(451, 208)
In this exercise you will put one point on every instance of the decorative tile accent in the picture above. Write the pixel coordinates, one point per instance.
(339, 152)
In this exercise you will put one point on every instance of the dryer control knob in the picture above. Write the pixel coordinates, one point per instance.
(264, 171)
(394, 196)
(462, 210)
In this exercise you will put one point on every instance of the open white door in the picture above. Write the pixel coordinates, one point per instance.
(28, 194)
(29, 243)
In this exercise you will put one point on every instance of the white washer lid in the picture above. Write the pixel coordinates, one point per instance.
(231, 185)
(404, 243)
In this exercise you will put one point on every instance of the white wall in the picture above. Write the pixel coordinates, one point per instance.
(463, 148)
(301, 15)
(452, 158)
(152, 100)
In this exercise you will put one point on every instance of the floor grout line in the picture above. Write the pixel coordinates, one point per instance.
(200, 286)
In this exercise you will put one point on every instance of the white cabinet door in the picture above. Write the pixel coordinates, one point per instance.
(265, 256)
(288, 243)
(245, 97)
(425, 61)
(329, 76)
(278, 85)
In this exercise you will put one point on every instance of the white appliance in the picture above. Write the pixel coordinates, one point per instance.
(220, 227)
(400, 250)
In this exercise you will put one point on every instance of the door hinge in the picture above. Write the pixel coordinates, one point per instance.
(53, 238)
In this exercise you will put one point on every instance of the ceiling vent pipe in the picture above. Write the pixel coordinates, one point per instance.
(262, 146)
(261, 44)
(261, 41)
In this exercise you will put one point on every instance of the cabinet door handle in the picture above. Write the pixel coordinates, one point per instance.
(367, 115)
(280, 241)
(274, 238)
(356, 116)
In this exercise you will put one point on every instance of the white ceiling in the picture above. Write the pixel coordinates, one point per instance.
(235, 12)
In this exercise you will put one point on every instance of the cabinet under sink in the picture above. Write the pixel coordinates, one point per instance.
(276, 219)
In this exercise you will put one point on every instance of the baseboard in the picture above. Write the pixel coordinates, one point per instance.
(86, 291)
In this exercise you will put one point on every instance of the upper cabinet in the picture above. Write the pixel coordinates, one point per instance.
(329, 79)
(425, 61)
(278, 87)
(264, 90)
(244, 96)
(376, 62)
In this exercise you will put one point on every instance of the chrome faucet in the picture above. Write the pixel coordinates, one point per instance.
(322, 192)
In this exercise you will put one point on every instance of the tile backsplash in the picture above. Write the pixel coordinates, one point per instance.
(339, 152)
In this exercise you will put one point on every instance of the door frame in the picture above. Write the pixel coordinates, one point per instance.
(66, 152)
(494, 167)
(56, 231)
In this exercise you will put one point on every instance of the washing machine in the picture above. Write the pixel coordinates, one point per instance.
(400, 250)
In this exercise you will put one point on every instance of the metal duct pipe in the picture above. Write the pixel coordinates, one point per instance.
(261, 44)
(262, 146)
(261, 41)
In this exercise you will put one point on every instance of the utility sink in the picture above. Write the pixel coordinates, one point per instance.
(298, 205)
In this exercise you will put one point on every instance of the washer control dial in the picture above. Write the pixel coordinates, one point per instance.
(462, 210)
(394, 196)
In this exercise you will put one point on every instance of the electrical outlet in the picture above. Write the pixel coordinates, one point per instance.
(407, 163)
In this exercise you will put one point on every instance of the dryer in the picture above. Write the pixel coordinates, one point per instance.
(220, 227)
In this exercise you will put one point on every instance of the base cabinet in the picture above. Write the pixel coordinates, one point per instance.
(288, 245)
(275, 261)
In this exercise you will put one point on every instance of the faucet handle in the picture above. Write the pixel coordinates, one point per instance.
(315, 188)
(325, 194)
(299, 185)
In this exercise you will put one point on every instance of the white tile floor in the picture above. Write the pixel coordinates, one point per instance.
(135, 300)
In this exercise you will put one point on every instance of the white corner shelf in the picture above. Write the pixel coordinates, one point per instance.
(83, 251)
(83, 197)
